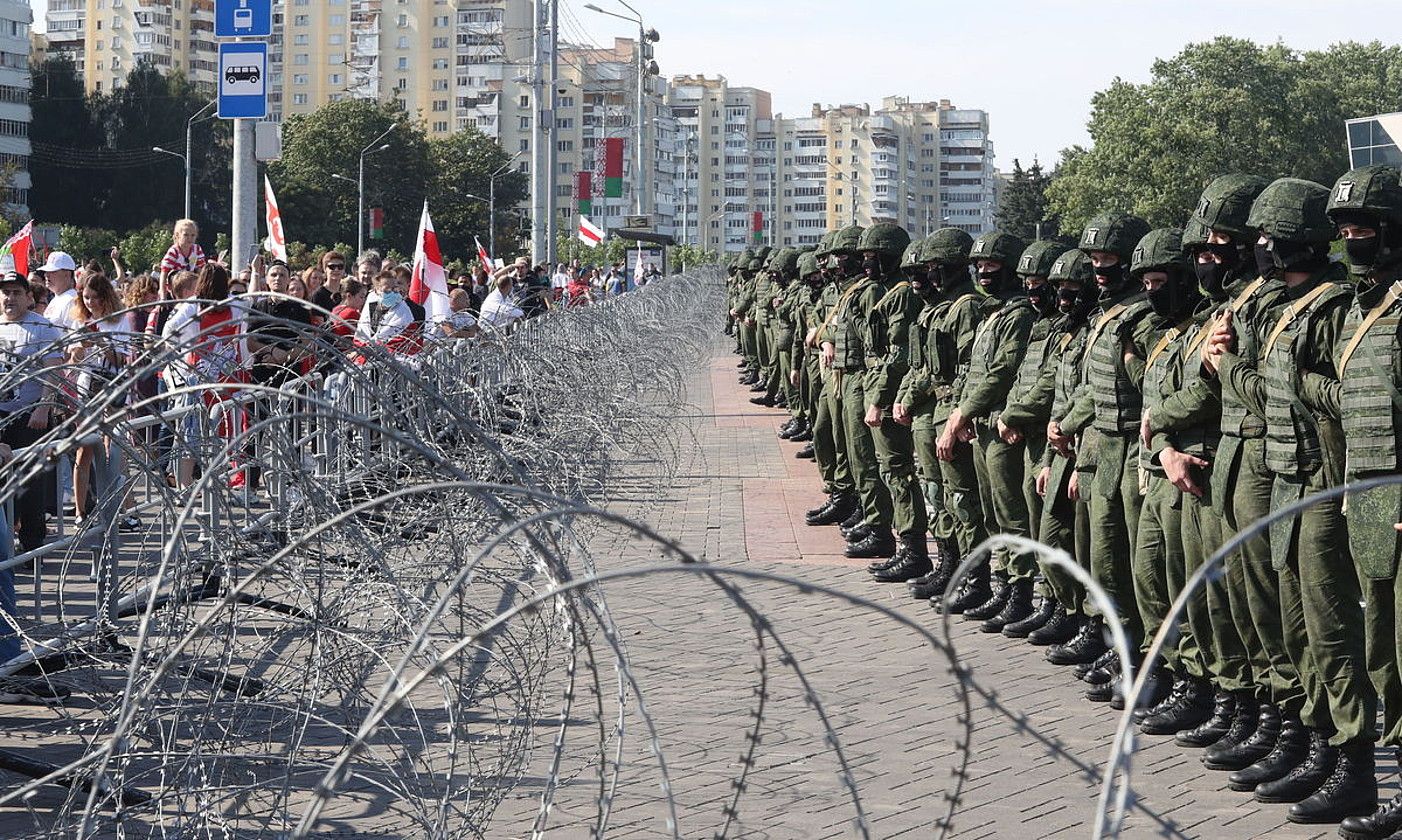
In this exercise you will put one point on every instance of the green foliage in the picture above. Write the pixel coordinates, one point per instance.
(86, 243)
(1024, 204)
(690, 256)
(144, 248)
(568, 247)
(462, 165)
(1225, 105)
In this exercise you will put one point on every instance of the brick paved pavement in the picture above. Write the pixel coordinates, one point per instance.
(737, 501)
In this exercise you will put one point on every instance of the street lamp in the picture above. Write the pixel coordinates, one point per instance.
(189, 171)
(644, 36)
(492, 204)
(370, 149)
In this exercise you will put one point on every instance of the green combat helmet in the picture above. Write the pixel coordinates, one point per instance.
(846, 240)
(910, 260)
(946, 245)
(1371, 197)
(1194, 235)
(1114, 233)
(1161, 249)
(1225, 206)
(1293, 210)
(1040, 256)
(824, 245)
(888, 241)
(763, 253)
(807, 264)
(1005, 249)
(786, 262)
(1074, 266)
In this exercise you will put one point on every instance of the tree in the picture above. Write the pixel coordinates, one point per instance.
(63, 132)
(1226, 105)
(1022, 210)
(318, 208)
(462, 165)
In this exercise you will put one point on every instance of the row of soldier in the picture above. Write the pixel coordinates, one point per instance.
(1134, 401)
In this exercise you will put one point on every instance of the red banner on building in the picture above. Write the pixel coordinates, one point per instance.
(584, 191)
(757, 225)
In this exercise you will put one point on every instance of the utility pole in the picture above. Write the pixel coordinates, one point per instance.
(639, 179)
(553, 153)
(244, 233)
(539, 137)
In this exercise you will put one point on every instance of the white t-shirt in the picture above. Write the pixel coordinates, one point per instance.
(182, 332)
(499, 310)
(31, 336)
(560, 280)
(60, 311)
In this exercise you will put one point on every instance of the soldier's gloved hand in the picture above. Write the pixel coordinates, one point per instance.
(1042, 478)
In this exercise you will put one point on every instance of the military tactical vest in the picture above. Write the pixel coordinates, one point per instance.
(1249, 309)
(764, 293)
(1163, 376)
(847, 321)
(1071, 348)
(1118, 401)
(832, 301)
(888, 303)
(983, 350)
(919, 335)
(1292, 435)
(1039, 347)
(1369, 379)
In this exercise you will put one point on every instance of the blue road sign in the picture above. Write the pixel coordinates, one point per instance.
(243, 18)
(243, 71)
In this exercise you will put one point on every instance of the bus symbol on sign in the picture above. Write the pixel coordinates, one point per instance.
(243, 18)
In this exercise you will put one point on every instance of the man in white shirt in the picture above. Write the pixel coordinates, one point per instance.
(560, 280)
(58, 271)
(385, 315)
(499, 310)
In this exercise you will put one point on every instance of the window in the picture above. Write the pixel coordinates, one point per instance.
(440, 84)
(300, 78)
(335, 39)
(338, 20)
(403, 63)
(403, 20)
(300, 59)
(441, 126)
(440, 43)
(404, 42)
(525, 101)
(300, 20)
(567, 102)
(333, 79)
(440, 105)
(299, 99)
(565, 122)
(300, 40)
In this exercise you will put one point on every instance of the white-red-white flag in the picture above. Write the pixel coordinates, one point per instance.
(276, 243)
(483, 257)
(429, 285)
(590, 233)
(14, 254)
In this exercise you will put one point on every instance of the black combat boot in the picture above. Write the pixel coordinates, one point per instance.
(1292, 747)
(1211, 730)
(1384, 822)
(879, 543)
(915, 562)
(1243, 725)
(764, 400)
(1016, 607)
(1250, 751)
(1047, 608)
(803, 435)
(786, 431)
(1193, 706)
(758, 387)
(936, 582)
(1351, 790)
(806, 453)
(852, 521)
(820, 511)
(1085, 646)
(1100, 663)
(975, 590)
(856, 534)
(995, 602)
(883, 563)
(1108, 670)
(1062, 628)
(1304, 778)
(1174, 696)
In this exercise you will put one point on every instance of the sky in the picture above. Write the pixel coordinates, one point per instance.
(1032, 64)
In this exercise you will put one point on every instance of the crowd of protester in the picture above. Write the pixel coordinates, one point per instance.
(216, 331)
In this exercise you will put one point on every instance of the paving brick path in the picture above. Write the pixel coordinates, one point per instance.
(1037, 749)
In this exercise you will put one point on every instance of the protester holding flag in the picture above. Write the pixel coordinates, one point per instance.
(428, 283)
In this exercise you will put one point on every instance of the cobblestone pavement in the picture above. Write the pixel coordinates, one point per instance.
(1036, 749)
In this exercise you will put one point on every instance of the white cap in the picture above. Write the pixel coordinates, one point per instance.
(58, 261)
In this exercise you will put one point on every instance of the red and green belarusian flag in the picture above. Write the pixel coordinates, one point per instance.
(584, 191)
(613, 167)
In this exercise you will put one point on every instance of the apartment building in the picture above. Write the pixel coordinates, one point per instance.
(15, 78)
(105, 39)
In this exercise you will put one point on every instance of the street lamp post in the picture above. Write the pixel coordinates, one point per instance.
(189, 164)
(370, 149)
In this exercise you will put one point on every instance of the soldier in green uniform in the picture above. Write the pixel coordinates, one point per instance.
(1023, 420)
(783, 273)
(952, 342)
(765, 323)
(872, 537)
(1065, 515)
(994, 358)
(923, 401)
(1159, 263)
(742, 311)
(829, 440)
(1105, 414)
(1319, 586)
(886, 342)
(1366, 204)
(803, 296)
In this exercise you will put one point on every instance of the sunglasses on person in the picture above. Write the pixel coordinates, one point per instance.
(335, 266)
